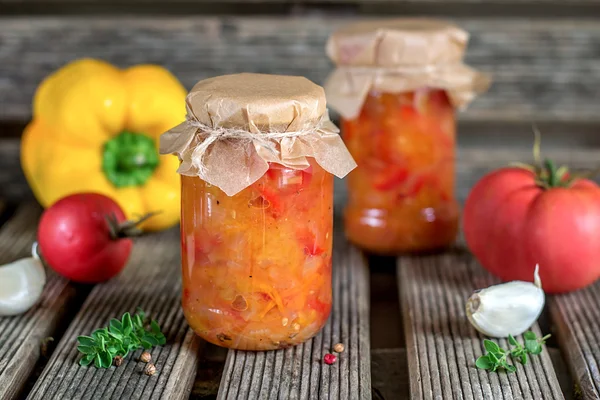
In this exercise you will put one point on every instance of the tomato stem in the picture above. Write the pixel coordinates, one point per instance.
(547, 175)
(129, 228)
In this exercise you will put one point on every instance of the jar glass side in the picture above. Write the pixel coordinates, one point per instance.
(401, 196)
(257, 265)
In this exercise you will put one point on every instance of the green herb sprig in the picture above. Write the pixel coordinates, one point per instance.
(497, 358)
(119, 339)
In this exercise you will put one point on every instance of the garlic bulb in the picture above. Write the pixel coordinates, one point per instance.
(507, 308)
(21, 284)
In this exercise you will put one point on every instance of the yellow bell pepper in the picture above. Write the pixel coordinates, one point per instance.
(96, 128)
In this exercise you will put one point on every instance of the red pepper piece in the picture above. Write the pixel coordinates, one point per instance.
(310, 242)
(391, 179)
(408, 113)
(270, 195)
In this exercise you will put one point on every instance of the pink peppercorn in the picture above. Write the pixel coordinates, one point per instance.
(329, 359)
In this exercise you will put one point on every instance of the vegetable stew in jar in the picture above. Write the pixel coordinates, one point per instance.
(396, 88)
(257, 209)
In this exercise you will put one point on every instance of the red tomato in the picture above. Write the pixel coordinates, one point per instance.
(511, 224)
(75, 238)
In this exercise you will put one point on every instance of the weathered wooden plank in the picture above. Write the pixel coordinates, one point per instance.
(299, 372)
(21, 336)
(543, 69)
(300, 2)
(441, 344)
(151, 281)
(577, 319)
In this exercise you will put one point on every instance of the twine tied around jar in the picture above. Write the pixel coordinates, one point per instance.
(266, 140)
(238, 125)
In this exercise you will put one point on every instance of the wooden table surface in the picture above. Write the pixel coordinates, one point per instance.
(402, 320)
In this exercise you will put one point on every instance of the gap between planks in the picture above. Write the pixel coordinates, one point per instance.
(442, 346)
(151, 281)
(299, 372)
(21, 336)
(577, 319)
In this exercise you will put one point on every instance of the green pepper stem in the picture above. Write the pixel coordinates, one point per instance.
(129, 159)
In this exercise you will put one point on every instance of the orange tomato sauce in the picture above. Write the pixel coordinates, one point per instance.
(257, 265)
(401, 196)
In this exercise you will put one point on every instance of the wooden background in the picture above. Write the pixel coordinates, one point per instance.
(544, 56)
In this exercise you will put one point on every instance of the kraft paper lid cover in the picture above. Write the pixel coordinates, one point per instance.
(237, 124)
(399, 55)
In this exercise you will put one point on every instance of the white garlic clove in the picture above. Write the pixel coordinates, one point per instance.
(21, 285)
(507, 308)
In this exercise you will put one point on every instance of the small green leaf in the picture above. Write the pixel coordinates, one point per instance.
(86, 341)
(116, 336)
(87, 360)
(512, 340)
(491, 346)
(155, 327)
(116, 326)
(150, 339)
(523, 358)
(105, 359)
(493, 357)
(537, 349)
(127, 324)
(161, 339)
(510, 368)
(484, 362)
(139, 321)
(97, 361)
(533, 346)
(529, 335)
(86, 349)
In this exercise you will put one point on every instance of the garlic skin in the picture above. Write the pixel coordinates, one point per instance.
(507, 308)
(21, 284)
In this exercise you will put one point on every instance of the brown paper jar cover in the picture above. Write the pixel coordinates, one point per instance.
(399, 55)
(237, 124)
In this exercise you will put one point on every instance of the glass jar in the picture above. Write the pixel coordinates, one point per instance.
(401, 196)
(257, 265)
(396, 87)
(257, 157)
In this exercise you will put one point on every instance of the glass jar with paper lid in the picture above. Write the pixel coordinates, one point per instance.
(258, 154)
(396, 88)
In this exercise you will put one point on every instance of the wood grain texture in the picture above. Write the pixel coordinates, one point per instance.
(577, 319)
(21, 336)
(309, 2)
(441, 344)
(542, 69)
(151, 281)
(299, 372)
